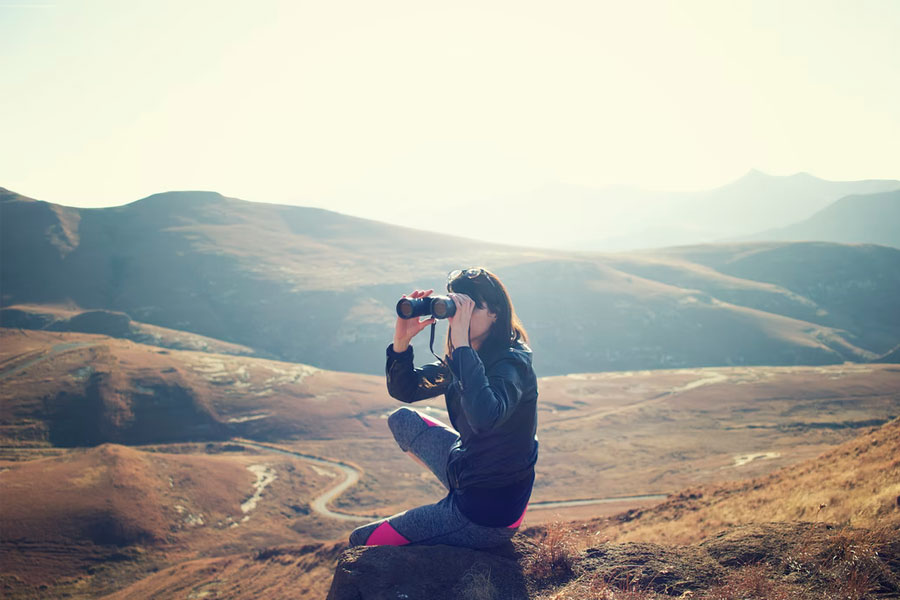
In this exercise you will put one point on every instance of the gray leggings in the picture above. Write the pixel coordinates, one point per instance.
(440, 523)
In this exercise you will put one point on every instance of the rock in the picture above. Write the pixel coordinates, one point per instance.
(432, 572)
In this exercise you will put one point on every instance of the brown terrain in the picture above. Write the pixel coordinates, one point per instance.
(850, 549)
(111, 323)
(182, 414)
(116, 514)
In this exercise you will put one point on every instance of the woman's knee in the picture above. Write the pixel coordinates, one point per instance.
(405, 424)
(360, 535)
(379, 533)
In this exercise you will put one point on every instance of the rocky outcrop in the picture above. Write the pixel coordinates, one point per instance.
(433, 572)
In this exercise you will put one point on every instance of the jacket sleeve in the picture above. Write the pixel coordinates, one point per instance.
(487, 399)
(408, 384)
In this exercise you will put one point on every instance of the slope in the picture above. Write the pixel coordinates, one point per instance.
(856, 219)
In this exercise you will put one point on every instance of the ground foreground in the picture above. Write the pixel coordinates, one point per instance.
(755, 562)
(223, 488)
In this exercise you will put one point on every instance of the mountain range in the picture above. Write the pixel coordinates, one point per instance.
(618, 218)
(309, 285)
(854, 219)
(177, 326)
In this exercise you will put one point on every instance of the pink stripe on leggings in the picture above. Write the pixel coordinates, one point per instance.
(519, 521)
(431, 422)
(385, 535)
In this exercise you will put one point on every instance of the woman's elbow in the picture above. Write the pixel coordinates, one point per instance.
(404, 395)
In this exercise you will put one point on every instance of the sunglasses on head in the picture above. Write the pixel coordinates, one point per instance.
(468, 274)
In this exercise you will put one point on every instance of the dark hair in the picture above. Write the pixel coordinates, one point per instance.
(488, 291)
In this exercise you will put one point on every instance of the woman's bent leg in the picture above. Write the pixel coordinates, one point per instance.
(439, 523)
(424, 437)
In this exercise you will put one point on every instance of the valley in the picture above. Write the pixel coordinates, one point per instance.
(286, 442)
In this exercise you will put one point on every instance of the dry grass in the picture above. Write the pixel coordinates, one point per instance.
(555, 555)
(595, 587)
(620, 588)
(799, 562)
(476, 584)
(856, 484)
(851, 564)
(752, 582)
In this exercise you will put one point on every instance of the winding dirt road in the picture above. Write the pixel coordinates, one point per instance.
(320, 502)
(352, 475)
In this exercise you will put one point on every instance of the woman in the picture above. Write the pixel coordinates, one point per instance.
(486, 461)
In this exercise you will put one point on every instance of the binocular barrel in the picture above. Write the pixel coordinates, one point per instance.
(439, 307)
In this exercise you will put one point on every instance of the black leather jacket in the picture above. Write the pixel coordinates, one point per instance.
(492, 402)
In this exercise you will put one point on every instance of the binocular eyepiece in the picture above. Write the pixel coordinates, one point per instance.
(439, 307)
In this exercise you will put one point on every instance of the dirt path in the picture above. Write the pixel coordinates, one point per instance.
(352, 475)
(320, 502)
(577, 421)
(587, 501)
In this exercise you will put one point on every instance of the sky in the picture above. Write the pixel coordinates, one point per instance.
(389, 109)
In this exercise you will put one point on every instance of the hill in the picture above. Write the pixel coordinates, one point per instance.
(311, 286)
(812, 282)
(856, 484)
(111, 323)
(856, 219)
(73, 389)
(111, 514)
(623, 218)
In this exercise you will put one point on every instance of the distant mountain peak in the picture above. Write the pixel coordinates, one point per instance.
(179, 201)
(756, 174)
(204, 196)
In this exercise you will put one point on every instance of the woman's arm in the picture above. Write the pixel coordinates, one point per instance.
(404, 381)
(486, 400)
(408, 384)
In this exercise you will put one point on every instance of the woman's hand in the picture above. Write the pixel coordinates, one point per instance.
(406, 329)
(459, 323)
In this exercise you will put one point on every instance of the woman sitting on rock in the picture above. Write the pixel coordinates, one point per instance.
(486, 461)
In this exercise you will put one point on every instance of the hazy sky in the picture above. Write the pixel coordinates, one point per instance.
(356, 106)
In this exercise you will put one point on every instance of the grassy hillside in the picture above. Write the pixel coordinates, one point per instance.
(856, 484)
(852, 287)
(72, 389)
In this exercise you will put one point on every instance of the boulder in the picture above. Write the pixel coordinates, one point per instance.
(433, 572)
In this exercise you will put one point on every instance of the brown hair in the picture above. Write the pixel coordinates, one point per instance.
(488, 291)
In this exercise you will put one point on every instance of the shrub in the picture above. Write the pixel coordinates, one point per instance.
(554, 556)
(752, 582)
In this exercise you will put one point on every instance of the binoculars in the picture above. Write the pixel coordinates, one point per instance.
(439, 307)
